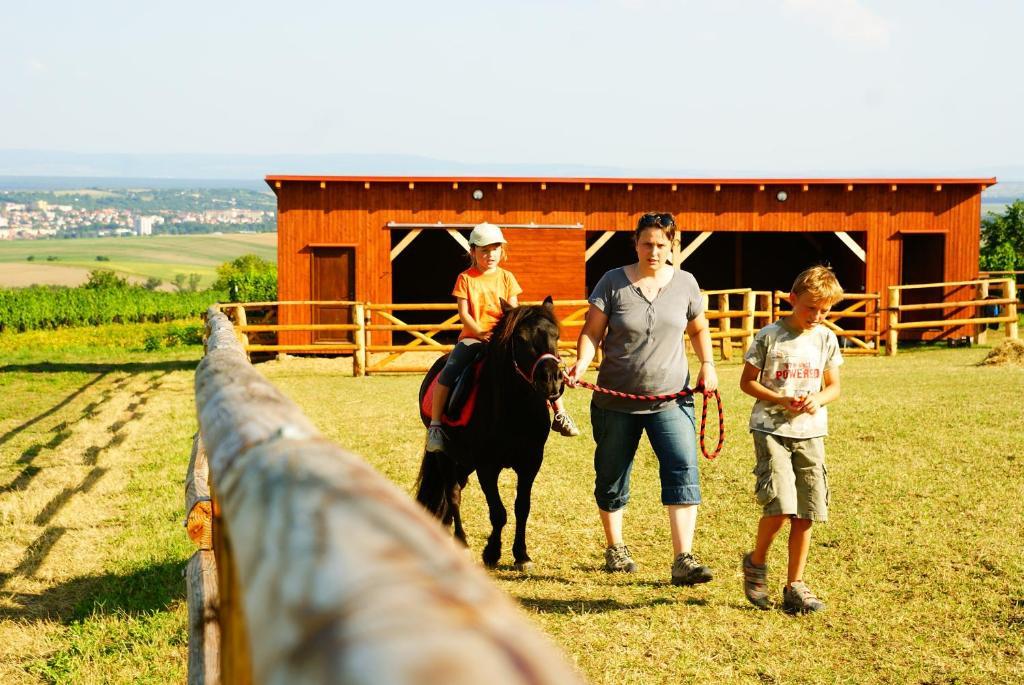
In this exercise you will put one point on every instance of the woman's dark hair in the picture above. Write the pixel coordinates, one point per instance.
(663, 220)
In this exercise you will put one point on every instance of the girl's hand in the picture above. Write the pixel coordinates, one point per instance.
(709, 377)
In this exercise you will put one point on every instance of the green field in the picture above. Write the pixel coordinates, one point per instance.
(920, 564)
(139, 256)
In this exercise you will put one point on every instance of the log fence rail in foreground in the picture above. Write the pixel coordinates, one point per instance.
(983, 293)
(313, 568)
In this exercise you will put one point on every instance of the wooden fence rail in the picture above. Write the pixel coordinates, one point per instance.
(325, 571)
(983, 289)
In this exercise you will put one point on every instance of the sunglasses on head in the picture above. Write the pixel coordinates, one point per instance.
(663, 220)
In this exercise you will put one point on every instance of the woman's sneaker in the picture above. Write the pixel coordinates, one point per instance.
(687, 570)
(617, 560)
(564, 425)
(798, 599)
(755, 582)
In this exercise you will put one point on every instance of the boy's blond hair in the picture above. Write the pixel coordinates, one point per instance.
(821, 283)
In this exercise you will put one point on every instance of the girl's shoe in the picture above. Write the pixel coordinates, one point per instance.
(564, 425)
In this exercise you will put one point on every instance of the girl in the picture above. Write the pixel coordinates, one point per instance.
(479, 291)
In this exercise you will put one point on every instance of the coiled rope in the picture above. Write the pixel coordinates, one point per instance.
(686, 392)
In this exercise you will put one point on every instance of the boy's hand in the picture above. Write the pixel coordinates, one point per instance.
(793, 403)
(811, 404)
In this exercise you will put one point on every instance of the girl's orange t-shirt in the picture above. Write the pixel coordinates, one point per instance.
(484, 293)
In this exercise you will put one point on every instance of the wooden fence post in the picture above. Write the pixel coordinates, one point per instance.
(981, 292)
(240, 320)
(203, 597)
(1010, 293)
(892, 335)
(359, 356)
(725, 326)
(749, 306)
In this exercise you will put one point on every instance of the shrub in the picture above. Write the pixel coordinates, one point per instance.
(105, 279)
(249, 278)
(102, 258)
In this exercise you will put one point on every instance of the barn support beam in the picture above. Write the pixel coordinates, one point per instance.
(404, 242)
(598, 244)
(459, 239)
(852, 244)
(692, 247)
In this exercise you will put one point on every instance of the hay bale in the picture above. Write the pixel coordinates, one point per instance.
(1009, 351)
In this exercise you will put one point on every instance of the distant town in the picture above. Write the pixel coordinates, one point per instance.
(92, 213)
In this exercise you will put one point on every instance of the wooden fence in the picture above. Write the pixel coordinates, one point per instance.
(1017, 276)
(313, 568)
(862, 308)
(983, 289)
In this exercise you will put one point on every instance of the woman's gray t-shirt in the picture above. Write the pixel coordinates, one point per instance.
(643, 347)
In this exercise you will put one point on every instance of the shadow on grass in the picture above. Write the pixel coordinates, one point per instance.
(590, 606)
(100, 369)
(17, 429)
(153, 588)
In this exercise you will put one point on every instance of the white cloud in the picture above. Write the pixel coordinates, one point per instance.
(847, 20)
(35, 65)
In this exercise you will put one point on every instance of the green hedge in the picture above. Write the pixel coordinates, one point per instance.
(42, 307)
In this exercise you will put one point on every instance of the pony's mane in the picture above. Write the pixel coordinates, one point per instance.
(510, 320)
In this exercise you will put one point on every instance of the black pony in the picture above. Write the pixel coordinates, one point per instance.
(507, 430)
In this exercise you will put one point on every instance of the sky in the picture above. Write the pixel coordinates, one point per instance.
(781, 87)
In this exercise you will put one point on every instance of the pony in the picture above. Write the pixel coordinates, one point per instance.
(520, 374)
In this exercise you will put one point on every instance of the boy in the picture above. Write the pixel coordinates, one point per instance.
(792, 369)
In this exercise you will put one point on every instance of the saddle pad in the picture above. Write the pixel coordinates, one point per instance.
(455, 415)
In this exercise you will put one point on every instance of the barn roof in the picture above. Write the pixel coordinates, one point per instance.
(272, 179)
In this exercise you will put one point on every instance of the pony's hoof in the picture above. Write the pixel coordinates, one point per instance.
(490, 560)
(524, 566)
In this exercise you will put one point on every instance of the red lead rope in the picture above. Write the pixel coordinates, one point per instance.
(676, 395)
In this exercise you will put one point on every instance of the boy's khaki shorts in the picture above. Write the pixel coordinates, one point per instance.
(791, 476)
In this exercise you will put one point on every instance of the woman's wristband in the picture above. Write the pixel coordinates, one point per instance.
(708, 361)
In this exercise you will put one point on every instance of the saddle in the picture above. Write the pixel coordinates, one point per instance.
(461, 399)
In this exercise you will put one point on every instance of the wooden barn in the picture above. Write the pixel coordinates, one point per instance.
(403, 239)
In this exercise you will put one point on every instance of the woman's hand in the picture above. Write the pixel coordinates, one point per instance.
(709, 377)
(573, 375)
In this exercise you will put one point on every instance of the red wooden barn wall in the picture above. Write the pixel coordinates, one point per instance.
(344, 211)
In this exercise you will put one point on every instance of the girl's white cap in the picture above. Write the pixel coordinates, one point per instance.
(486, 234)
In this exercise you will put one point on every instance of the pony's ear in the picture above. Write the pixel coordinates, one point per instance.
(549, 303)
(505, 306)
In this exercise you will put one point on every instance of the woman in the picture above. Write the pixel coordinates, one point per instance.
(640, 312)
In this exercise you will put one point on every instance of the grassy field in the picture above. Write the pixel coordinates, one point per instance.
(137, 256)
(93, 446)
(920, 565)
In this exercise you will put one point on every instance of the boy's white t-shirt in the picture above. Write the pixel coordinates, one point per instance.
(792, 363)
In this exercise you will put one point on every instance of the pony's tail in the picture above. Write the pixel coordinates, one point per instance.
(431, 485)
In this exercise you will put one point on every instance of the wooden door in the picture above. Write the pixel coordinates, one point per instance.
(334, 278)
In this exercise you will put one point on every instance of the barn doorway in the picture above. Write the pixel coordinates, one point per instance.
(923, 260)
(746, 259)
(334, 278)
(425, 272)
